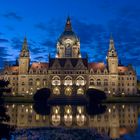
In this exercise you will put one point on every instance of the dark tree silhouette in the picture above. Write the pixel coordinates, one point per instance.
(95, 95)
(4, 128)
(42, 95)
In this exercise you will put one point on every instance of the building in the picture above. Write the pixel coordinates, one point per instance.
(69, 73)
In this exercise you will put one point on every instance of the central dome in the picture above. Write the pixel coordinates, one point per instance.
(68, 33)
(68, 45)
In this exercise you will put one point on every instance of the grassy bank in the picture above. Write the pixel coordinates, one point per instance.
(133, 99)
(20, 99)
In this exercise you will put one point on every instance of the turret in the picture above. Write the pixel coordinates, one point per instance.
(112, 58)
(24, 58)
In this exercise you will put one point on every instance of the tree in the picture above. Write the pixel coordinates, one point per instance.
(95, 95)
(42, 95)
(4, 128)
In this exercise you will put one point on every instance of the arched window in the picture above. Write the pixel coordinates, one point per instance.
(91, 82)
(44, 82)
(68, 81)
(56, 80)
(68, 116)
(68, 50)
(80, 91)
(56, 91)
(80, 81)
(105, 82)
(105, 89)
(98, 82)
(56, 116)
(68, 91)
(30, 82)
(37, 82)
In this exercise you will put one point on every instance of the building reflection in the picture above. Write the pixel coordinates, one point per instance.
(117, 120)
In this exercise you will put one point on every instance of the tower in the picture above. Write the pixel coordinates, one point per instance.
(112, 58)
(24, 58)
(68, 45)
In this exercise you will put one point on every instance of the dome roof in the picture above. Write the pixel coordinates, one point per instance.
(68, 33)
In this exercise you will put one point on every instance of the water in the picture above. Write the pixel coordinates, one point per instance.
(107, 121)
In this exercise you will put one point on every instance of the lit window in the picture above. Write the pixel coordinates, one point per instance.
(98, 82)
(37, 117)
(68, 91)
(68, 81)
(80, 81)
(80, 91)
(56, 91)
(56, 81)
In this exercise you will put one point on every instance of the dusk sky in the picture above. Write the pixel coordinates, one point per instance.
(43, 21)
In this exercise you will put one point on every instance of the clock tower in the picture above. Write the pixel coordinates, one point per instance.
(24, 58)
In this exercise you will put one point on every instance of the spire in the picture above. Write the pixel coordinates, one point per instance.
(25, 51)
(112, 50)
(25, 44)
(68, 26)
(111, 45)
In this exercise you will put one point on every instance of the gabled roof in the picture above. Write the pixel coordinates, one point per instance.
(73, 61)
(12, 69)
(122, 69)
(96, 66)
(39, 65)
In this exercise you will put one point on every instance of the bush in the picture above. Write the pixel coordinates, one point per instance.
(95, 95)
(42, 95)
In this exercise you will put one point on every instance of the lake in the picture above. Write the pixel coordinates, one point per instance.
(75, 122)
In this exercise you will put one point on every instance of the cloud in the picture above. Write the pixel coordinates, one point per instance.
(13, 16)
(10, 28)
(16, 43)
(41, 26)
(3, 55)
(48, 43)
(2, 40)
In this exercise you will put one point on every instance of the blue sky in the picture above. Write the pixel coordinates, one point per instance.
(42, 22)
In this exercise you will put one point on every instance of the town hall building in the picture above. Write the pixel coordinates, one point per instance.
(69, 73)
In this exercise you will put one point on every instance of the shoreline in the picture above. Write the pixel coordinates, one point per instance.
(29, 99)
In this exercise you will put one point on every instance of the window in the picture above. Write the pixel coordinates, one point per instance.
(98, 82)
(105, 89)
(30, 82)
(91, 82)
(105, 82)
(68, 80)
(68, 91)
(38, 82)
(37, 117)
(80, 81)
(56, 80)
(56, 91)
(23, 83)
(68, 50)
(44, 82)
(113, 83)
(80, 91)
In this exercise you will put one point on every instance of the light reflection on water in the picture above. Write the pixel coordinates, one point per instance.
(114, 120)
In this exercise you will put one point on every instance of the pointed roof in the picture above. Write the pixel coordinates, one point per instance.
(68, 26)
(25, 44)
(68, 32)
(111, 45)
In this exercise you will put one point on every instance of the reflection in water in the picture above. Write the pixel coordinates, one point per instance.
(117, 120)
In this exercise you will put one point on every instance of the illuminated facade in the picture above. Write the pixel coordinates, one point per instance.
(117, 120)
(69, 73)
